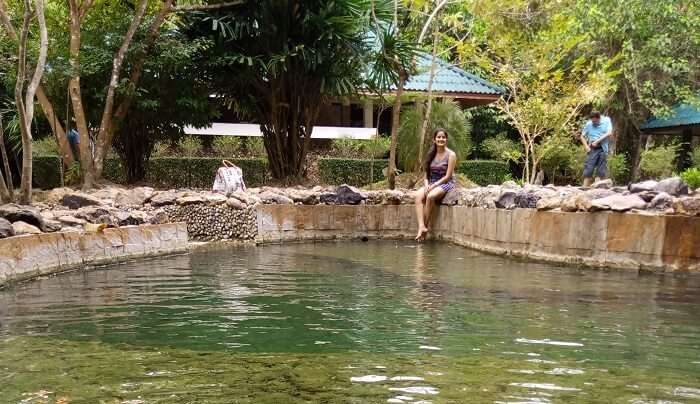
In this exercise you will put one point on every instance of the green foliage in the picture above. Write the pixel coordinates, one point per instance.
(377, 148)
(255, 147)
(347, 148)
(695, 157)
(447, 115)
(73, 174)
(691, 176)
(485, 172)
(658, 162)
(199, 172)
(190, 146)
(618, 168)
(355, 172)
(45, 147)
(161, 149)
(163, 172)
(46, 171)
(227, 146)
(502, 148)
(562, 159)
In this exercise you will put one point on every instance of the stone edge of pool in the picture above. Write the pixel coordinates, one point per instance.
(601, 239)
(661, 243)
(26, 257)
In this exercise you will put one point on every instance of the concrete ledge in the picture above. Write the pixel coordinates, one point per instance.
(25, 257)
(602, 239)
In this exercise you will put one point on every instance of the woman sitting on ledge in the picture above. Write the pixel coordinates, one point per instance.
(439, 166)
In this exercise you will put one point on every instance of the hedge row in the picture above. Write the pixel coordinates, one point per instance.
(356, 172)
(162, 172)
(484, 172)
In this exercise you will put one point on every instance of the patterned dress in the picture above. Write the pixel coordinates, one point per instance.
(438, 169)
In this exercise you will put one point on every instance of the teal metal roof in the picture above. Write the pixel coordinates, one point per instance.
(682, 115)
(448, 79)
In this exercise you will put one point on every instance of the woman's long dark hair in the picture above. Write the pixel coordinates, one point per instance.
(432, 151)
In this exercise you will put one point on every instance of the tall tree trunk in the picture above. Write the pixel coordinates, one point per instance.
(86, 159)
(106, 132)
(395, 115)
(45, 103)
(24, 122)
(429, 107)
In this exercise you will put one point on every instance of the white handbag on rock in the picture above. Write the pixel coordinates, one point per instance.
(229, 178)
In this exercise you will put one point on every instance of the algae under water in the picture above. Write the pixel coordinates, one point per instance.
(347, 322)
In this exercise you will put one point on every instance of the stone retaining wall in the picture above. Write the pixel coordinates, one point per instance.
(25, 257)
(602, 239)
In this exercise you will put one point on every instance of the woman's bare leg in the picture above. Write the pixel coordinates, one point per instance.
(430, 201)
(420, 213)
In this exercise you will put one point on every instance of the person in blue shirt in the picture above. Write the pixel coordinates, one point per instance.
(74, 141)
(595, 138)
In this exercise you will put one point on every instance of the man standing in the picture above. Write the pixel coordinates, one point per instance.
(594, 137)
(74, 141)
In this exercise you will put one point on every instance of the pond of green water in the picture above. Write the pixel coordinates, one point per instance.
(347, 322)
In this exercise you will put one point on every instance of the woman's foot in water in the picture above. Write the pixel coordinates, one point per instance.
(422, 232)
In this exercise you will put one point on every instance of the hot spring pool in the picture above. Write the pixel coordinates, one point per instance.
(378, 322)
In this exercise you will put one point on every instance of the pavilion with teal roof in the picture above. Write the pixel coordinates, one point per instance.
(683, 121)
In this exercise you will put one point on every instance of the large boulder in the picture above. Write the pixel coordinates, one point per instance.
(452, 197)
(661, 201)
(91, 214)
(673, 186)
(215, 199)
(526, 200)
(6, 229)
(648, 185)
(303, 196)
(190, 200)
(134, 197)
(274, 198)
(549, 203)
(21, 228)
(164, 198)
(598, 193)
(506, 200)
(77, 200)
(234, 203)
(20, 213)
(246, 198)
(344, 195)
(579, 202)
(618, 203)
(602, 184)
(687, 206)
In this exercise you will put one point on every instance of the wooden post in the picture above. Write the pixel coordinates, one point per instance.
(368, 113)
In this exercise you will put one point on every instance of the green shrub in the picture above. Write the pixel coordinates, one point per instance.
(447, 115)
(501, 147)
(46, 171)
(658, 162)
(162, 149)
(562, 159)
(691, 177)
(346, 148)
(199, 172)
(227, 146)
(115, 170)
(376, 148)
(255, 147)
(618, 168)
(190, 146)
(45, 147)
(695, 157)
(355, 172)
(484, 172)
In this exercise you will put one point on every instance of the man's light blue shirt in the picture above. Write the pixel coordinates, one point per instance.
(594, 132)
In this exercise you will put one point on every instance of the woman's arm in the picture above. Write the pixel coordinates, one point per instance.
(451, 163)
